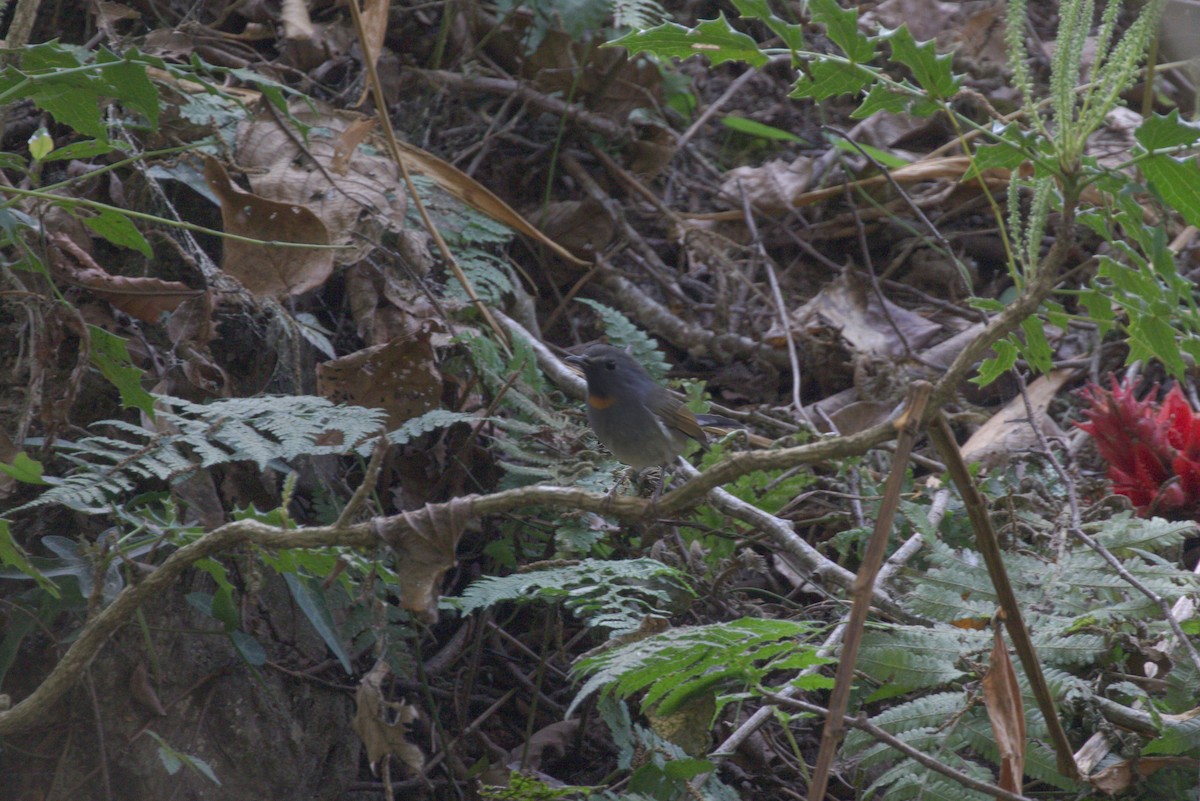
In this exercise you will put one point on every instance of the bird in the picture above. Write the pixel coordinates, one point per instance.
(641, 422)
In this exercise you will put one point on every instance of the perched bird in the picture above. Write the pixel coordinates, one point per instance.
(640, 421)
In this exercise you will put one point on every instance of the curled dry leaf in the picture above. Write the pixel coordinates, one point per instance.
(862, 320)
(1006, 711)
(425, 541)
(546, 745)
(384, 305)
(142, 691)
(1008, 431)
(356, 195)
(383, 725)
(144, 298)
(771, 188)
(1123, 775)
(399, 377)
(190, 329)
(374, 22)
(265, 270)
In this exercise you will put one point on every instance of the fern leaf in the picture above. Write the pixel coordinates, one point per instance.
(616, 595)
(198, 436)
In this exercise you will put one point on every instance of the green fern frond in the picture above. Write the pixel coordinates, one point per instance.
(199, 436)
(616, 595)
(432, 420)
(637, 14)
(677, 664)
(905, 658)
(1123, 533)
(927, 712)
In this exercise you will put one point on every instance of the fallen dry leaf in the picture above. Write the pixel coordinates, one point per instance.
(1002, 697)
(400, 377)
(383, 725)
(1120, 777)
(144, 298)
(1008, 431)
(355, 193)
(862, 320)
(264, 270)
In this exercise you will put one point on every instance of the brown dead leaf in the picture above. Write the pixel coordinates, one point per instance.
(190, 329)
(477, 196)
(425, 541)
(860, 415)
(604, 80)
(356, 205)
(348, 142)
(546, 745)
(1122, 776)
(144, 298)
(400, 377)
(111, 13)
(1008, 431)
(143, 692)
(1002, 697)
(383, 725)
(264, 270)
(862, 320)
(374, 22)
(771, 188)
(383, 305)
(297, 24)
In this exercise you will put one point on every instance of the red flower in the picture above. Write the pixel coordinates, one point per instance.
(1152, 449)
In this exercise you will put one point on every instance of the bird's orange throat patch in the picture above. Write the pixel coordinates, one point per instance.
(601, 401)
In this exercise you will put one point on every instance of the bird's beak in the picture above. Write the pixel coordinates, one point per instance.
(576, 360)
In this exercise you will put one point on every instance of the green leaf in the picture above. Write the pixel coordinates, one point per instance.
(792, 35)
(73, 101)
(713, 38)
(13, 555)
(841, 25)
(881, 156)
(127, 82)
(173, 760)
(110, 356)
(312, 604)
(1177, 183)
(882, 97)
(1001, 154)
(993, 368)
(86, 149)
(624, 334)
(755, 128)
(221, 606)
(931, 71)
(118, 229)
(1161, 132)
(1037, 349)
(40, 144)
(1157, 337)
(250, 648)
(432, 420)
(828, 79)
(24, 469)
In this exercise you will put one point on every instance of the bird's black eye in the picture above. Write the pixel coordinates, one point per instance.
(611, 364)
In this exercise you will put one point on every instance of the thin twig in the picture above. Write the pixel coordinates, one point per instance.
(988, 545)
(864, 584)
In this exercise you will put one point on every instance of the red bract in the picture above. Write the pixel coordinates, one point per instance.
(1152, 448)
